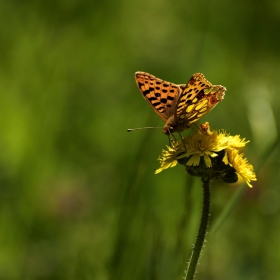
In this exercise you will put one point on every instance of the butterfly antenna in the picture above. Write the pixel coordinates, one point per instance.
(138, 128)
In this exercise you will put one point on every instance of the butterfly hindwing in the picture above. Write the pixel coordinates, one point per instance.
(197, 99)
(191, 94)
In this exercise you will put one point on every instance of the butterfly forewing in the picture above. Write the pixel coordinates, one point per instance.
(161, 95)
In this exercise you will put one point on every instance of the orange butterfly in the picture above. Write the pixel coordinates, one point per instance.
(179, 105)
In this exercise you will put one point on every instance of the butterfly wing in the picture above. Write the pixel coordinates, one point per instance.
(161, 95)
(197, 98)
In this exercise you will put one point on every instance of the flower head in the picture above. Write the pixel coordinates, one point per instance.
(168, 158)
(241, 166)
(201, 145)
(207, 153)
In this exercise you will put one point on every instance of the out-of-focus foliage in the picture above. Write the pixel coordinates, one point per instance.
(78, 197)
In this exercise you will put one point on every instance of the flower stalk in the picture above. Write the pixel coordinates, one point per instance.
(202, 231)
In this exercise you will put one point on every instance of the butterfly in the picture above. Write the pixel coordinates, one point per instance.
(179, 105)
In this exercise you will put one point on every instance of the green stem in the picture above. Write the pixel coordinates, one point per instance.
(202, 231)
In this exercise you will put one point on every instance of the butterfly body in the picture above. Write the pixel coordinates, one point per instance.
(179, 105)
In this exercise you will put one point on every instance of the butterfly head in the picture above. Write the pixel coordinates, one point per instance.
(172, 125)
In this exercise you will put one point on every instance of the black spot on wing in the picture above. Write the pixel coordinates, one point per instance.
(156, 104)
(180, 106)
(145, 92)
(200, 94)
(163, 100)
(192, 81)
(152, 99)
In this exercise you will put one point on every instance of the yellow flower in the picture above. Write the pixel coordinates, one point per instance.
(236, 142)
(231, 141)
(241, 166)
(201, 145)
(168, 158)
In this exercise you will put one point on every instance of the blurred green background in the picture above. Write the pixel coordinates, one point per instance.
(79, 199)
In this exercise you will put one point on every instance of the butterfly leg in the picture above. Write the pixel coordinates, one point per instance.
(203, 128)
(171, 139)
(198, 128)
(182, 141)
